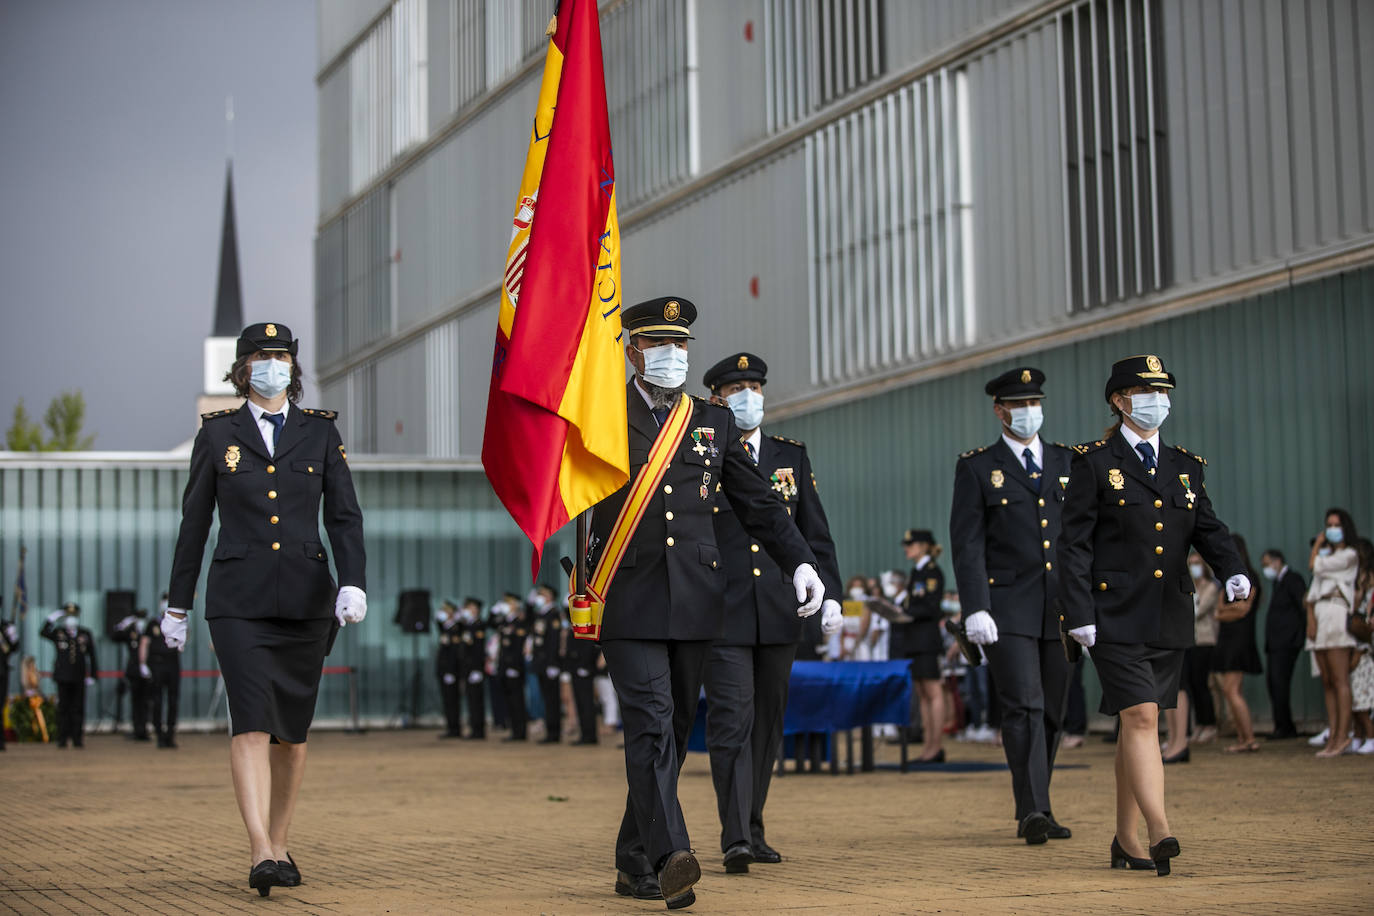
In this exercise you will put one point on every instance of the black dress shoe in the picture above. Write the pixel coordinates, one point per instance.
(938, 758)
(765, 853)
(679, 872)
(640, 887)
(443, 735)
(1281, 735)
(737, 859)
(550, 740)
(513, 738)
(1121, 860)
(265, 876)
(1162, 852)
(1035, 828)
(582, 742)
(1057, 830)
(1182, 756)
(290, 874)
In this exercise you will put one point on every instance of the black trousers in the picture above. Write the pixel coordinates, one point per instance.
(166, 696)
(71, 712)
(551, 689)
(452, 695)
(1279, 678)
(513, 691)
(1076, 710)
(584, 698)
(1197, 667)
(746, 696)
(658, 684)
(1032, 682)
(4, 689)
(138, 703)
(477, 707)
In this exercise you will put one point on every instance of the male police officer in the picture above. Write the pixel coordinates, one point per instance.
(74, 670)
(1003, 525)
(510, 665)
(664, 607)
(472, 657)
(547, 658)
(163, 665)
(9, 644)
(129, 631)
(448, 669)
(584, 661)
(751, 663)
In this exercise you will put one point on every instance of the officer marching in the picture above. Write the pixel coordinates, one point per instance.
(750, 665)
(472, 659)
(513, 641)
(1003, 524)
(448, 669)
(74, 670)
(665, 605)
(547, 657)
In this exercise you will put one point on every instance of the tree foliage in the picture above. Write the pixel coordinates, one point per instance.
(64, 419)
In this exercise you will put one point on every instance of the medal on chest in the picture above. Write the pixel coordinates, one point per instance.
(784, 482)
(706, 485)
(705, 439)
(1188, 486)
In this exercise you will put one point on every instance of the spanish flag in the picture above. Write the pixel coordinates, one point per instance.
(556, 440)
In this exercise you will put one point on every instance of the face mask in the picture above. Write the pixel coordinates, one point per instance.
(1149, 411)
(440, 617)
(270, 377)
(1025, 421)
(1271, 573)
(70, 623)
(1335, 535)
(467, 615)
(1195, 569)
(890, 590)
(747, 406)
(665, 366)
(856, 594)
(949, 607)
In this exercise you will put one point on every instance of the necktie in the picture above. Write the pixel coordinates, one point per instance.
(660, 414)
(277, 421)
(749, 447)
(1032, 468)
(1147, 455)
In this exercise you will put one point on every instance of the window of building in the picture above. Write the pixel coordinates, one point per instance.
(1115, 177)
(388, 91)
(817, 51)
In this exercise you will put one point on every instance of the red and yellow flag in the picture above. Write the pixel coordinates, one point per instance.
(556, 440)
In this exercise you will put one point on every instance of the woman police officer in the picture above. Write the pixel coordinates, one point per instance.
(1131, 511)
(271, 604)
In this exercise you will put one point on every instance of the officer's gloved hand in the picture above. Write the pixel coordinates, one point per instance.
(90, 682)
(55, 616)
(145, 672)
(474, 677)
(810, 590)
(351, 606)
(832, 620)
(1085, 636)
(449, 679)
(981, 628)
(511, 672)
(124, 622)
(174, 628)
(11, 633)
(551, 673)
(1237, 588)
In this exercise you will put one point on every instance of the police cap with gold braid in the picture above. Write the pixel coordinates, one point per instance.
(742, 367)
(1137, 371)
(270, 337)
(1017, 384)
(666, 316)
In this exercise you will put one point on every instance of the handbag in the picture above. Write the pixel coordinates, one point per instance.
(1357, 622)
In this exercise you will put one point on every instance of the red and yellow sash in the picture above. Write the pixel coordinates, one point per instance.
(586, 610)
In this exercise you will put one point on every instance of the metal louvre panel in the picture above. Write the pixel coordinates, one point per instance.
(1114, 181)
(367, 286)
(334, 140)
(915, 29)
(890, 223)
(329, 293)
(534, 20)
(503, 37)
(410, 88)
(441, 391)
(817, 51)
(388, 91)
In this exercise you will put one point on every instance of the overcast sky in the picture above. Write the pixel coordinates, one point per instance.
(112, 161)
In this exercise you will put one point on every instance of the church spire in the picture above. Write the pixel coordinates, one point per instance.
(228, 299)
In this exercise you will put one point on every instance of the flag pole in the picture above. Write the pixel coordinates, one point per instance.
(580, 544)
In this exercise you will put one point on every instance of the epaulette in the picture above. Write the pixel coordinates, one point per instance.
(322, 414)
(219, 413)
(787, 440)
(1089, 446)
(973, 451)
(1191, 455)
(1059, 445)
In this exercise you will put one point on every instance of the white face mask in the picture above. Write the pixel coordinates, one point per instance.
(71, 624)
(1150, 410)
(1025, 421)
(1270, 573)
(665, 366)
(270, 377)
(856, 593)
(747, 406)
(949, 607)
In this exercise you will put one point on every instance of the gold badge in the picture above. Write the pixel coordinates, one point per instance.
(1116, 479)
(672, 310)
(1153, 364)
(343, 454)
(742, 363)
(1025, 376)
(932, 584)
(231, 458)
(271, 330)
(997, 478)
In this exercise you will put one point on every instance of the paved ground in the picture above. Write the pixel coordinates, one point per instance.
(398, 822)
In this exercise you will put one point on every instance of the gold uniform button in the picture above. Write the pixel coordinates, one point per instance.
(1159, 574)
(274, 519)
(276, 545)
(708, 462)
(1041, 501)
(1045, 544)
(1102, 586)
(991, 581)
(1121, 502)
(271, 494)
(1159, 526)
(1159, 550)
(754, 548)
(1158, 504)
(715, 509)
(757, 571)
(713, 564)
(667, 488)
(1004, 500)
(668, 516)
(670, 542)
(310, 469)
(271, 469)
(1049, 566)
(1044, 523)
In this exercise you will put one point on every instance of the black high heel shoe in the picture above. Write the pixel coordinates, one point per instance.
(1120, 859)
(264, 876)
(290, 874)
(1182, 756)
(1162, 852)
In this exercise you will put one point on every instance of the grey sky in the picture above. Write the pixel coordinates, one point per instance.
(112, 156)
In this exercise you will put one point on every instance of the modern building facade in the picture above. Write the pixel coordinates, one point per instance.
(892, 200)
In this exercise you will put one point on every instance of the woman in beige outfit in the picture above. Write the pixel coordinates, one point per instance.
(1330, 597)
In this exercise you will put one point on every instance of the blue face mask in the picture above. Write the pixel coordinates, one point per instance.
(1149, 411)
(1335, 535)
(747, 406)
(665, 366)
(71, 623)
(1025, 421)
(270, 377)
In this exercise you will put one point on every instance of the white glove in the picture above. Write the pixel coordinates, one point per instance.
(11, 633)
(1237, 588)
(449, 679)
(351, 606)
(55, 615)
(832, 621)
(124, 623)
(981, 628)
(511, 672)
(810, 590)
(145, 672)
(474, 677)
(90, 682)
(1085, 636)
(174, 628)
(551, 672)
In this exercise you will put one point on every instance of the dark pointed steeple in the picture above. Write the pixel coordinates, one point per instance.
(228, 299)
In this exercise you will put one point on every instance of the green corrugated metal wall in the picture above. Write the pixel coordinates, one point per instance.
(1274, 390)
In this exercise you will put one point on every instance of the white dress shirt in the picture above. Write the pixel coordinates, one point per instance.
(265, 426)
(755, 439)
(1135, 440)
(1035, 445)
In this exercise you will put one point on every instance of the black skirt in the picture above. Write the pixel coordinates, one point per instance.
(1236, 649)
(925, 666)
(1134, 674)
(271, 671)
